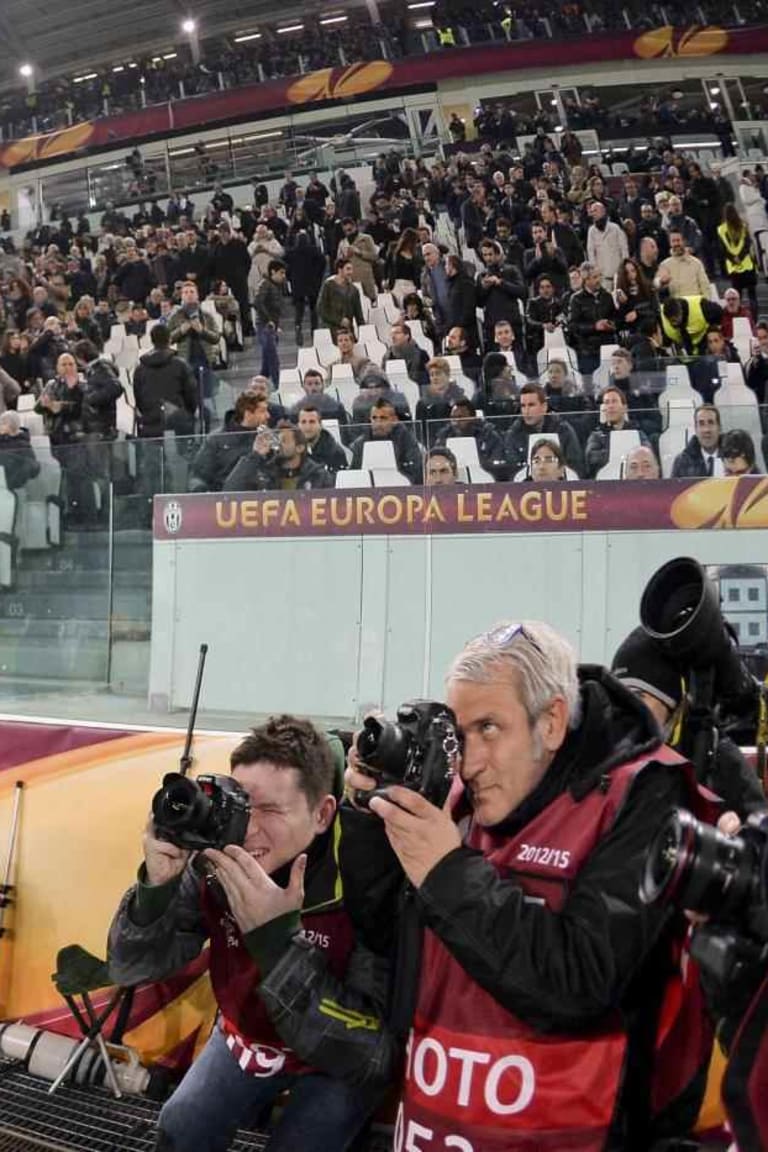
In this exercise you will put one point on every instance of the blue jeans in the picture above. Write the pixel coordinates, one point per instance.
(216, 1097)
(270, 362)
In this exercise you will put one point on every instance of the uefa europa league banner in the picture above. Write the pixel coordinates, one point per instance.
(565, 507)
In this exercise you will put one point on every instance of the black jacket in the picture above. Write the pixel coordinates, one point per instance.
(598, 449)
(407, 452)
(230, 262)
(538, 313)
(166, 393)
(502, 301)
(756, 375)
(586, 308)
(461, 305)
(690, 462)
(101, 391)
(306, 269)
(565, 971)
(218, 456)
(135, 280)
(490, 445)
(64, 427)
(518, 436)
(252, 473)
(327, 452)
(158, 930)
(552, 264)
(18, 459)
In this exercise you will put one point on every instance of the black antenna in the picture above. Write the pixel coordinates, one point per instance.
(185, 763)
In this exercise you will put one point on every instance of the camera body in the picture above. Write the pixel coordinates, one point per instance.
(420, 751)
(209, 812)
(267, 436)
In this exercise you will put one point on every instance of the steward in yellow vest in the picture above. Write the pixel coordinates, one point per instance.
(685, 320)
(446, 38)
(737, 254)
(737, 250)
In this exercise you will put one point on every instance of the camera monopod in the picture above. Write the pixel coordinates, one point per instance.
(185, 762)
(7, 888)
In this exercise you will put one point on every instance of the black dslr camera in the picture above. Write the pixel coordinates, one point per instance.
(420, 751)
(209, 812)
(694, 866)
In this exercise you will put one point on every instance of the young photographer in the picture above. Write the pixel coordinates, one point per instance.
(535, 999)
(299, 998)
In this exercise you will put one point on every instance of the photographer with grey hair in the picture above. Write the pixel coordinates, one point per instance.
(533, 983)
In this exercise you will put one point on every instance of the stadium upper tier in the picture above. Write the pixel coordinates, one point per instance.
(88, 61)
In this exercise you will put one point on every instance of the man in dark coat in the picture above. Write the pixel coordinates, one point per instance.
(230, 262)
(385, 425)
(165, 389)
(17, 456)
(221, 451)
(535, 419)
(277, 462)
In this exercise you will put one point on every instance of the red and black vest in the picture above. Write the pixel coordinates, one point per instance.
(478, 1079)
(235, 976)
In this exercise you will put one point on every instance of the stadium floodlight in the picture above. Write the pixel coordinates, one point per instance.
(189, 26)
(26, 70)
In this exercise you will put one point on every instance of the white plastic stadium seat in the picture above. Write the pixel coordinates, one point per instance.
(341, 373)
(738, 408)
(289, 379)
(389, 478)
(8, 509)
(40, 507)
(420, 337)
(464, 449)
(534, 436)
(742, 337)
(353, 478)
(347, 391)
(379, 454)
(306, 358)
(375, 351)
(324, 346)
(671, 444)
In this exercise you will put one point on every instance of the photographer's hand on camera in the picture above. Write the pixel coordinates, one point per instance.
(254, 898)
(421, 835)
(163, 861)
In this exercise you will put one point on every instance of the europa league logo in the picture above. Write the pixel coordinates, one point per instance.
(726, 502)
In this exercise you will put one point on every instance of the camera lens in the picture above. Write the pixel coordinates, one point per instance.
(384, 747)
(695, 867)
(181, 805)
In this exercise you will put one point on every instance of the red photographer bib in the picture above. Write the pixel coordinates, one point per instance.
(478, 1079)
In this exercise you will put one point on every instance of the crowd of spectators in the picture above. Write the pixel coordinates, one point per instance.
(474, 265)
(500, 122)
(226, 63)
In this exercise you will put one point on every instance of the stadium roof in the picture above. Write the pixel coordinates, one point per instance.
(63, 39)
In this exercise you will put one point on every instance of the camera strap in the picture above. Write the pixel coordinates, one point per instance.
(410, 942)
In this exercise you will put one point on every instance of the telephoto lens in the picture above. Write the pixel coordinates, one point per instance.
(695, 867)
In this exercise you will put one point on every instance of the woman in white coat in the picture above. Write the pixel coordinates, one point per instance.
(262, 249)
(757, 217)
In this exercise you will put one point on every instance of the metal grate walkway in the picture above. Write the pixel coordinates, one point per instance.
(79, 1119)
